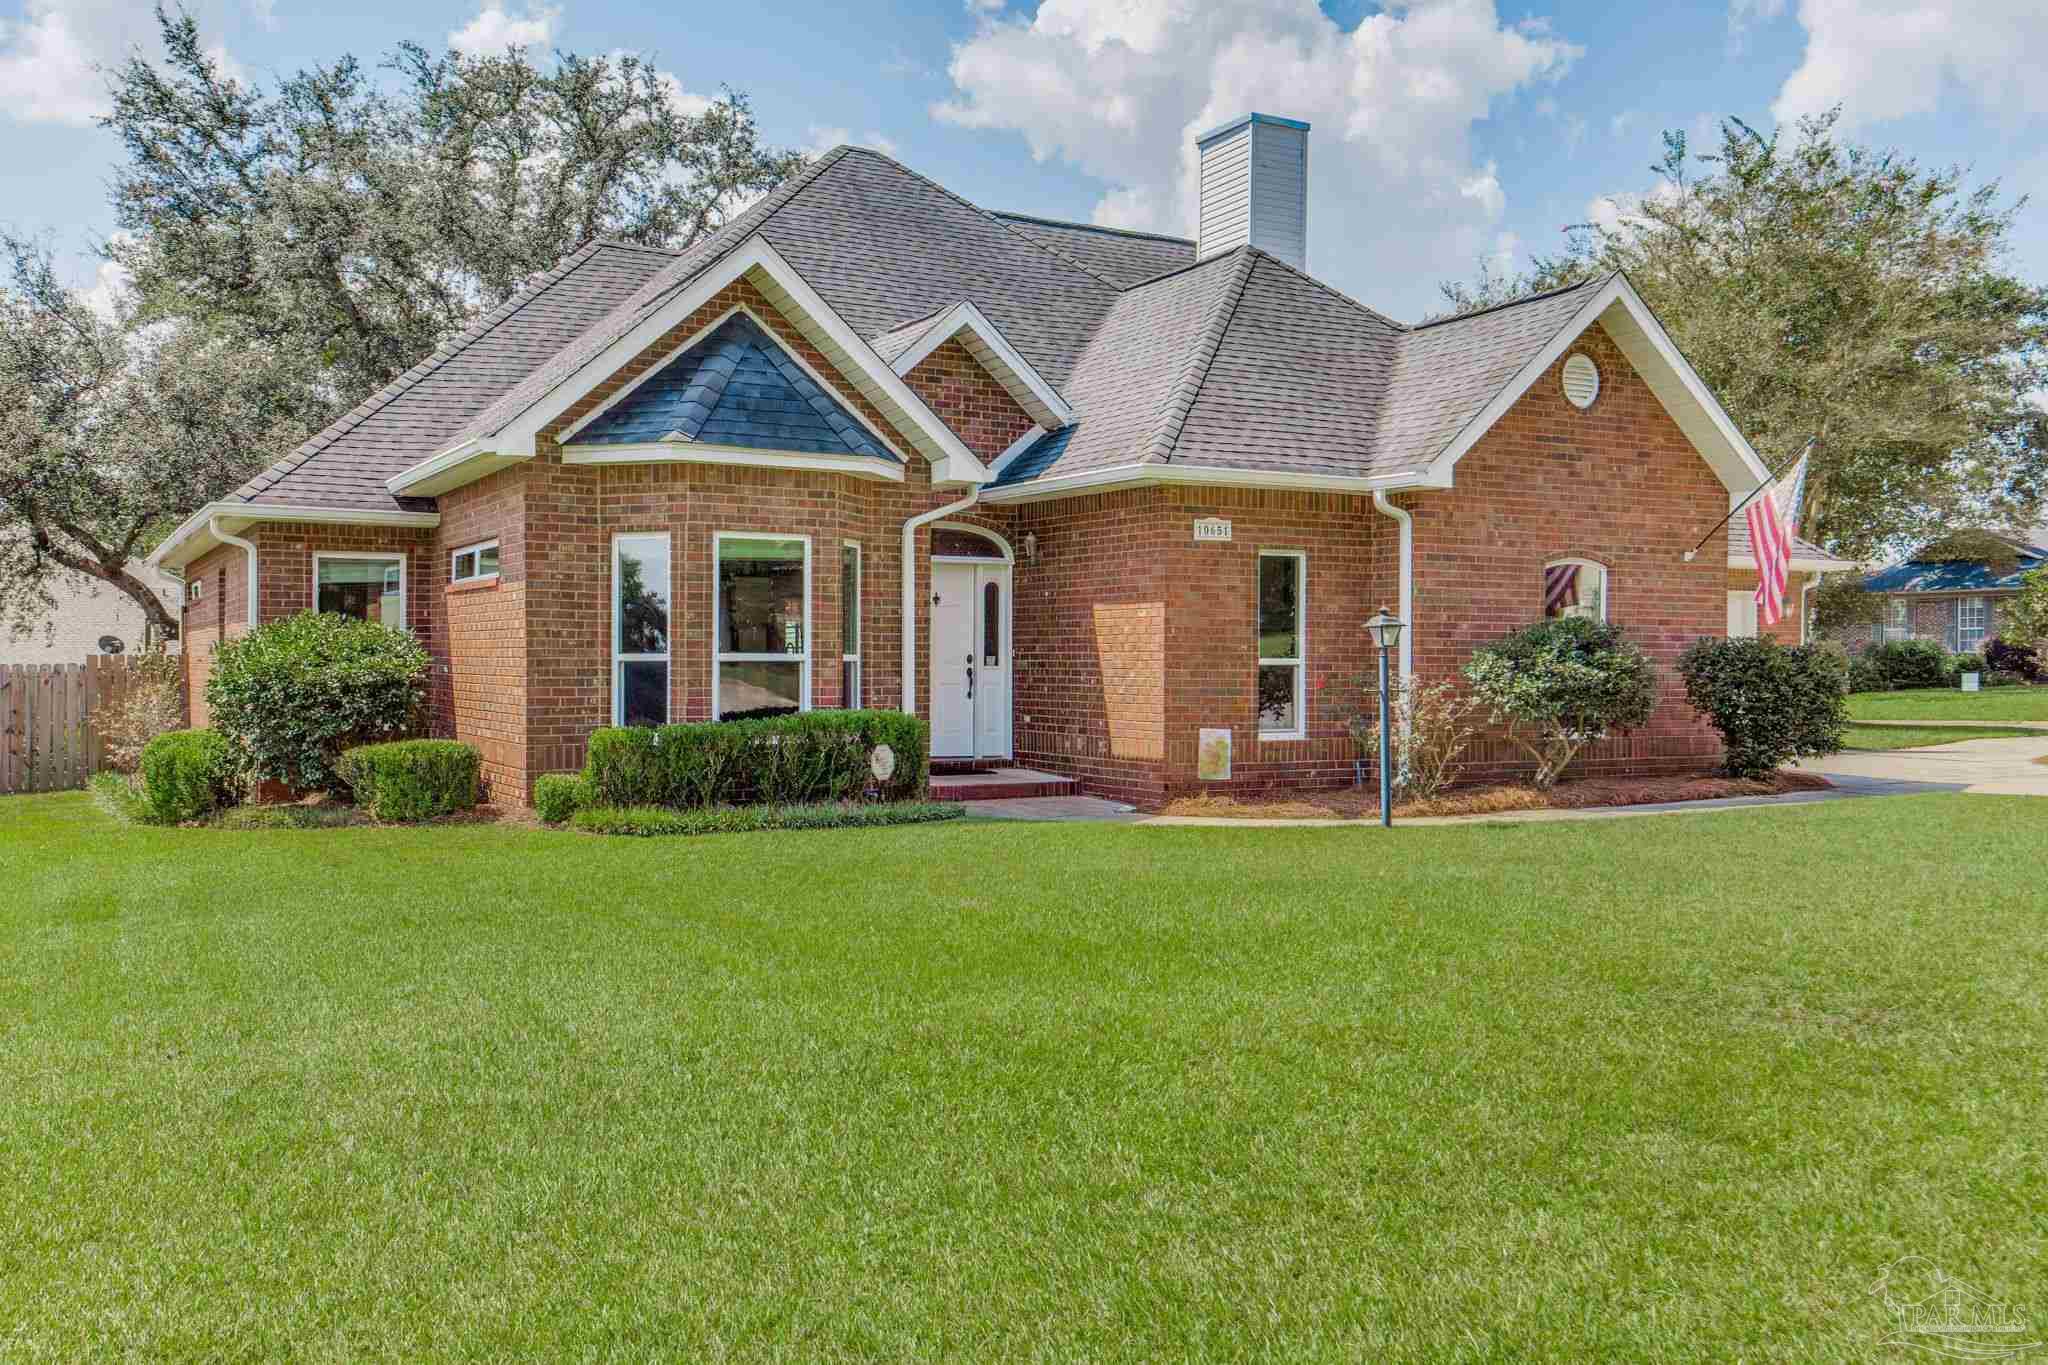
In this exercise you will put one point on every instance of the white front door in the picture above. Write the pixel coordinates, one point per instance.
(970, 660)
(1742, 615)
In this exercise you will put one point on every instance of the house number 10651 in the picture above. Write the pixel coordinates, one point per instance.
(1214, 528)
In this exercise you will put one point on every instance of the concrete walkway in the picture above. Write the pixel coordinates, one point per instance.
(1998, 767)
(1960, 724)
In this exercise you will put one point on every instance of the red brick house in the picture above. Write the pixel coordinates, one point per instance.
(1074, 494)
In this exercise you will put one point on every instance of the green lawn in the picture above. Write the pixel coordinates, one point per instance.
(1670, 1088)
(1994, 704)
(1920, 736)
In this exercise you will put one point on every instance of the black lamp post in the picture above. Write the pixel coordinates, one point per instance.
(1385, 629)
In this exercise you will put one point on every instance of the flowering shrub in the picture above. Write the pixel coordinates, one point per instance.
(1560, 685)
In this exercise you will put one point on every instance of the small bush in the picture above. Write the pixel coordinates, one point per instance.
(293, 695)
(1910, 663)
(1960, 664)
(151, 702)
(1432, 725)
(1770, 703)
(409, 780)
(783, 760)
(647, 821)
(557, 796)
(1865, 676)
(2003, 656)
(185, 775)
(1560, 685)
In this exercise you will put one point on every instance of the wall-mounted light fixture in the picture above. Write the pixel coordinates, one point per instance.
(1031, 547)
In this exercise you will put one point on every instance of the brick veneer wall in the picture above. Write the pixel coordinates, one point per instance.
(484, 698)
(1618, 483)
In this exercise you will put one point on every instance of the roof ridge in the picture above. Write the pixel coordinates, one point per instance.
(274, 474)
(1180, 400)
(1092, 227)
(1331, 290)
(1515, 303)
(1015, 231)
(1151, 280)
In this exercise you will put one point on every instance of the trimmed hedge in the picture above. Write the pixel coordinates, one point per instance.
(185, 775)
(783, 760)
(557, 796)
(1770, 703)
(1911, 663)
(294, 694)
(648, 821)
(409, 780)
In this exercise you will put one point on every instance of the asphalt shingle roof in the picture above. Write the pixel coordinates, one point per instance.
(736, 387)
(1738, 544)
(1239, 361)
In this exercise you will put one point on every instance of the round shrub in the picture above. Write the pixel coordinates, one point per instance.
(2003, 656)
(1911, 663)
(1560, 685)
(292, 695)
(185, 775)
(412, 779)
(557, 796)
(1770, 703)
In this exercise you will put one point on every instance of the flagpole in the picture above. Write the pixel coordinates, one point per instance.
(1750, 497)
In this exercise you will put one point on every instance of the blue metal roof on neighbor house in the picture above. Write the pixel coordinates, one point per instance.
(736, 387)
(1956, 576)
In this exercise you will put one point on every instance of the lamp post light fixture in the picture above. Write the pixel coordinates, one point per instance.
(1385, 629)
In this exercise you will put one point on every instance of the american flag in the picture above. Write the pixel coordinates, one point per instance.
(1773, 520)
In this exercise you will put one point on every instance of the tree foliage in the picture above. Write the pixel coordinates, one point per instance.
(363, 220)
(2024, 619)
(1561, 684)
(1835, 291)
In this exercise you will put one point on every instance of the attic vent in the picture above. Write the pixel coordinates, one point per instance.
(1581, 380)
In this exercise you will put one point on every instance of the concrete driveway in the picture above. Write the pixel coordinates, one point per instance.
(2001, 767)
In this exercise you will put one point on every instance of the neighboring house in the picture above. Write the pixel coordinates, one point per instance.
(91, 617)
(1074, 494)
(1808, 563)
(1954, 602)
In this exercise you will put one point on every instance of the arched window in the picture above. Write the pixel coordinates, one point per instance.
(957, 542)
(1575, 587)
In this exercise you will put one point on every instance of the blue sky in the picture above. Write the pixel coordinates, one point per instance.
(1444, 130)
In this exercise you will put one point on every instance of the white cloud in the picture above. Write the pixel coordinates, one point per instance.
(823, 139)
(51, 59)
(104, 294)
(1885, 59)
(1120, 88)
(494, 29)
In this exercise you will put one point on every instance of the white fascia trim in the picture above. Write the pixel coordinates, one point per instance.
(693, 452)
(1616, 290)
(450, 469)
(1816, 566)
(852, 408)
(964, 316)
(243, 514)
(1014, 449)
(518, 437)
(1131, 475)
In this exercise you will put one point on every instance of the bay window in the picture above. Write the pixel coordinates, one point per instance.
(640, 627)
(1282, 673)
(761, 664)
(365, 587)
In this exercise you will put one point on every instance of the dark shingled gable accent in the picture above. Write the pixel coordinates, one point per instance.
(736, 387)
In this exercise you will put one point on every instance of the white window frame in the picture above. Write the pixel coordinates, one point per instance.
(1902, 629)
(1606, 579)
(373, 557)
(719, 658)
(1979, 604)
(853, 656)
(667, 656)
(195, 590)
(1299, 663)
(455, 557)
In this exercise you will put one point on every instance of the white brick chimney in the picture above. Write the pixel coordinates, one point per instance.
(1255, 188)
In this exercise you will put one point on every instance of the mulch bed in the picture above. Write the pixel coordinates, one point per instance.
(1356, 804)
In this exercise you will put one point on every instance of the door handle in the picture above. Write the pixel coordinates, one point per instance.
(970, 677)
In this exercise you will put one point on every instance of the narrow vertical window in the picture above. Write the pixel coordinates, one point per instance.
(849, 626)
(640, 627)
(1283, 705)
(991, 625)
(1973, 618)
(762, 664)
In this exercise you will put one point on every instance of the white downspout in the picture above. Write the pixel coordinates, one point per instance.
(1806, 605)
(1407, 607)
(910, 590)
(213, 526)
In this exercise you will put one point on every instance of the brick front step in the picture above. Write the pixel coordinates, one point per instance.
(1001, 784)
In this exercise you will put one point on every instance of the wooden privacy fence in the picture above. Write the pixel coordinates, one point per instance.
(48, 741)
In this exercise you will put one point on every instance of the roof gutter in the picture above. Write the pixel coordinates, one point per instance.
(208, 519)
(219, 533)
(910, 590)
